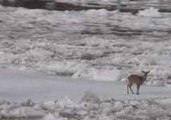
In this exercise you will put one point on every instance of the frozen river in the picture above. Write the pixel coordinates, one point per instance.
(20, 86)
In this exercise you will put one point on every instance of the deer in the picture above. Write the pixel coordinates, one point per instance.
(138, 80)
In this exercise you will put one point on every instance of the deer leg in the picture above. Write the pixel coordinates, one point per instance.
(129, 85)
(138, 88)
(127, 89)
(131, 89)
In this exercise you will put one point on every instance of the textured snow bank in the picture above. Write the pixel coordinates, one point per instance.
(88, 44)
(89, 107)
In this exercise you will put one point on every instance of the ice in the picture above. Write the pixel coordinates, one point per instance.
(138, 109)
(90, 97)
(51, 117)
(93, 57)
(95, 103)
(107, 75)
(150, 12)
(78, 51)
(15, 110)
(98, 73)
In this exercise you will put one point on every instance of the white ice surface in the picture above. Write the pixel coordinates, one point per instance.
(20, 86)
(60, 98)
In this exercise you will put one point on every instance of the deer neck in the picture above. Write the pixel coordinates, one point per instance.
(144, 77)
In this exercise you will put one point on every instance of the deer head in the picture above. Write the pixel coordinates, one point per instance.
(145, 73)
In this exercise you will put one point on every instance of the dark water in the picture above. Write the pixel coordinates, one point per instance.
(21, 119)
(129, 6)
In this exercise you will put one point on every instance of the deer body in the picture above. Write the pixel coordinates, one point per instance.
(138, 80)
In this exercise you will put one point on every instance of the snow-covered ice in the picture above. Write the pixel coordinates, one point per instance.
(151, 12)
(78, 62)
(20, 85)
(39, 96)
(90, 47)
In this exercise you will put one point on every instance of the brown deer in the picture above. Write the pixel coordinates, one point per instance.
(138, 80)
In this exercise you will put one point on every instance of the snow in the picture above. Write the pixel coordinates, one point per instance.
(37, 96)
(74, 64)
(151, 12)
(45, 43)
(19, 86)
(111, 109)
(100, 73)
(107, 75)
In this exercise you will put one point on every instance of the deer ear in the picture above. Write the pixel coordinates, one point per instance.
(145, 72)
